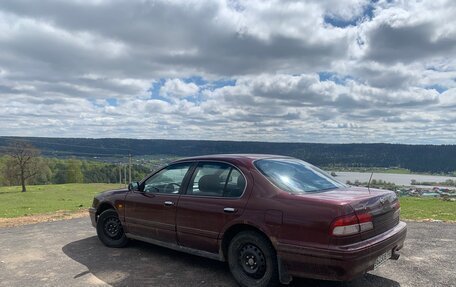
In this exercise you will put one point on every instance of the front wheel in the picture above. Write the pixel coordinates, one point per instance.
(252, 260)
(109, 229)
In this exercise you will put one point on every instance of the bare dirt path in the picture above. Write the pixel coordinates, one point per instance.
(31, 219)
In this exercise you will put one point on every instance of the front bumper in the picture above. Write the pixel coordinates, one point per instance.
(341, 263)
(93, 216)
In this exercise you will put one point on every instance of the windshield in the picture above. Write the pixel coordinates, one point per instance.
(296, 176)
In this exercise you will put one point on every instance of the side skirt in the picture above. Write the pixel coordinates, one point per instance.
(178, 247)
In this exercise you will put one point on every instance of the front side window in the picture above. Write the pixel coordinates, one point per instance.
(168, 180)
(216, 179)
(296, 176)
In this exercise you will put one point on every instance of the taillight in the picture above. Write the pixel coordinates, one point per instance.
(351, 224)
(397, 208)
(397, 204)
(365, 222)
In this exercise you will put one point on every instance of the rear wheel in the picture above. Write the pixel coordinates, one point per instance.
(252, 260)
(109, 229)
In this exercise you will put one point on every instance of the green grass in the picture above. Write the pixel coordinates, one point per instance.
(414, 208)
(394, 170)
(40, 199)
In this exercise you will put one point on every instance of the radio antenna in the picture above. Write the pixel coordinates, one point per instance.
(369, 183)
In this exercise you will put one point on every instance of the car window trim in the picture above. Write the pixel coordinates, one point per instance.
(226, 182)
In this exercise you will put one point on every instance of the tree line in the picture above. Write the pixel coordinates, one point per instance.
(416, 158)
(23, 165)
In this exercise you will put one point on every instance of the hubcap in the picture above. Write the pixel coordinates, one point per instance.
(113, 227)
(252, 261)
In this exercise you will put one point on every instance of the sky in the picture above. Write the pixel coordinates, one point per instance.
(333, 71)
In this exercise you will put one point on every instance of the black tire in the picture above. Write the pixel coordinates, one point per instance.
(252, 260)
(109, 229)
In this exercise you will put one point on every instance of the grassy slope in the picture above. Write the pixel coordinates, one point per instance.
(427, 208)
(41, 199)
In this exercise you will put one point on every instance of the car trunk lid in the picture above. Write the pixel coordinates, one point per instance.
(382, 206)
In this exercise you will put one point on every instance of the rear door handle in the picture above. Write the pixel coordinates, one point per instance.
(169, 203)
(229, 210)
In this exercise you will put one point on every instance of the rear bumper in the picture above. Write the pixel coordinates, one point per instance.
(342, 263)
(93, 216)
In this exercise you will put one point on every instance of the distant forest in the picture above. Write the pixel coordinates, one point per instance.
(56, 171)
(417, 158)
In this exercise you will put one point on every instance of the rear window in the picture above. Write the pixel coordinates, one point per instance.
(296, 176)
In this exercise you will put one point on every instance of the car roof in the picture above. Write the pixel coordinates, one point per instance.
(232, 157)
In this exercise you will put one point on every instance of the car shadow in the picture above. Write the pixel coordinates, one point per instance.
(143, 264)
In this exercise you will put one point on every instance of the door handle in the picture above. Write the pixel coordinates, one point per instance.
(229, 210)
(169, 203)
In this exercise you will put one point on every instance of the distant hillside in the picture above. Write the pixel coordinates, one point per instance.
(418, 158)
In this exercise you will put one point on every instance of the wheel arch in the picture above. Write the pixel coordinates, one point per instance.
(235, 229)
(231, 232)
(102, 207)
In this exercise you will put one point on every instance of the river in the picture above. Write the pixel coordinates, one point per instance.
(398, 179)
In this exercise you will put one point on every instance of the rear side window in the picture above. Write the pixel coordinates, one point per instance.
(216, 179)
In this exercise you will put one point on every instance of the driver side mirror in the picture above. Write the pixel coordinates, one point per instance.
(133, 186)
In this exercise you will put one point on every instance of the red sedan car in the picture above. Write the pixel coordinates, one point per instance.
(270, 217)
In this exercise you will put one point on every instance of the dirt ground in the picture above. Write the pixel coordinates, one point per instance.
(68, 253)
(31, 219)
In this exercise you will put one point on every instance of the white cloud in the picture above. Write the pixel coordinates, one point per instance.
(410, 31)
(448, 99)
(173, 88)
(346, 10)
(266, 70)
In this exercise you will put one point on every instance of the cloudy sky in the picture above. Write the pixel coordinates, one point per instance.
(301, 71)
